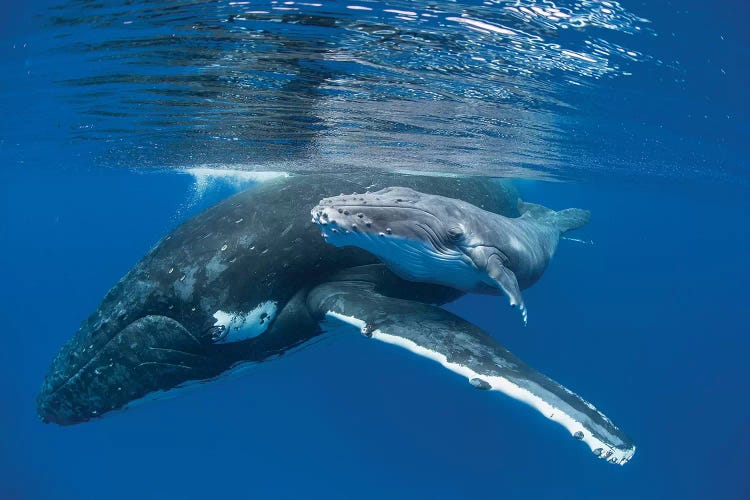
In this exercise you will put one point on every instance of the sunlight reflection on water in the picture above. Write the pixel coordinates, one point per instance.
(462, 87)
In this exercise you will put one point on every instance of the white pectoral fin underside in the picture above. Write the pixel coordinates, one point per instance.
(463, 348)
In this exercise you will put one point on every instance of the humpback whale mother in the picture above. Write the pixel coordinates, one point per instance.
(250, 279)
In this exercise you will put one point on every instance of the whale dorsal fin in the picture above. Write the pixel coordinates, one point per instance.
(533, 210)
(564, 220)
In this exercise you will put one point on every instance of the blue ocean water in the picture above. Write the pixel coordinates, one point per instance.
(635, 111)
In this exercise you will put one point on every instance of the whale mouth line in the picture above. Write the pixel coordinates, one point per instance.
(105, 376)
(100, 348)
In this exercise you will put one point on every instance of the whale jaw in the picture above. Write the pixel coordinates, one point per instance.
(153, 353)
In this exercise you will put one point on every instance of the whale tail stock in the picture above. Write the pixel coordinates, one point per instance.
(565, 220)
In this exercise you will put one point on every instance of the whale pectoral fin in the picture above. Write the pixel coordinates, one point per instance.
(506, 280)
(465, 349)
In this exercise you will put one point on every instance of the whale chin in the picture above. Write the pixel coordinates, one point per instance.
(153, 353)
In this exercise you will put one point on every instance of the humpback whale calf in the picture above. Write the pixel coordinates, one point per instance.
(250, 279)
(435, 239)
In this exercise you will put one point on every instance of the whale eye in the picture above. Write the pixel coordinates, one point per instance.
(455, 233)
(215, 333)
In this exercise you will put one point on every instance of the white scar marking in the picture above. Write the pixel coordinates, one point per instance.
(243, 326)
(184, 286)
(577, 429)
(214, 268)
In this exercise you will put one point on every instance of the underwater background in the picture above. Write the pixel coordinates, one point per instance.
(120, 119)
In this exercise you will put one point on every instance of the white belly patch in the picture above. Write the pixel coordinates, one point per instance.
(242, 326)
